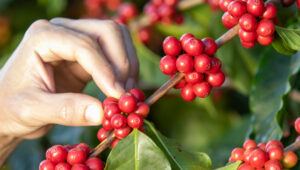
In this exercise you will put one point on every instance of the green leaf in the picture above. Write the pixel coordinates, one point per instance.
(137, 151)
(291, 37)
(179, 158)
(280, 46)
(231, 166)
(270, 85)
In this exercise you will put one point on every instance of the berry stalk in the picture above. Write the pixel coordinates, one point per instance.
(293, 147)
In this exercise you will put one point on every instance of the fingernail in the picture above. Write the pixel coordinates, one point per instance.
(92, 114)
(130, 84)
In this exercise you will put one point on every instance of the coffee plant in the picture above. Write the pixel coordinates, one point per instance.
(235, 64)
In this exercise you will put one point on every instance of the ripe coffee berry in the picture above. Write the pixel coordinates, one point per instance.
(171, 2)
(202, 89)
(224, 4)
(185, 37)
(167, 65)
(262, 146)
(248, 22)
(265, 28)
(247, 36)
(187, 92)
(245, 166)
(193, 77)
(46, 165)
(138, 94)
(289, 160)
(144, 34)
(127, 103)
(247, 154)
(76, 156)
(287, 3)
(255, 7)
(143, 109)
(265, 40)
(102, 134)
(229, 21)
(79, 167)
(237, 8)
(171, 46)
(237, 154)
(94, 164)
(215, 65)
(122, 132)
(106, 124)
(180, 84)
(109, 100)
(110, 110)
(127, 10)
(210, 46)
(85, 147)
(275, 153)
(62, 166)
(193, 46)
(135, 120)
(185, 63)
(273, 165)
(249, 144)
(248, 44)
(258, 158)
(166, 11)
(118, 121)
(274, 143)
(215, 79)
(270, 11)
(297, 125)
(56, 154)
(202, 63)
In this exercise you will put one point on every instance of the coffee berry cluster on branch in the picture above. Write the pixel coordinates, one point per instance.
(255, 18)
(195, 59)
(70, 157)
(264, 156)
(122, 115)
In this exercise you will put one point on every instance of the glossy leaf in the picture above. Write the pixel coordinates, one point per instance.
(291, 37)
(179, 158)
(137, 151)
(231, 166)
(270, 85)
(280, 46)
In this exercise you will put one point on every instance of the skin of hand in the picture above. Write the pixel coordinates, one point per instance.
(41, 82)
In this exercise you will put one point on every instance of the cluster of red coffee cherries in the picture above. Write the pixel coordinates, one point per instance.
(201, 68)
(164, 11)
(268, 156)
(96, 8)
(126, 12)
(123, 115)
(255, 18)
(70, 157)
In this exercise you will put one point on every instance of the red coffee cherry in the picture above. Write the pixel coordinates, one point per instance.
(216, 65)
(265, 40)
(202, 63)
(179, 19)
(166, 11)
(210, 46)
(157, 2)
(247, 154)
(224, 4)
(171, 2)
(56, 154)
(193, 77)
(265, 28)
(106, 124)
(110, 110)
(273, 143)
(46, 165)
(109, 100)
(79, 167)
(179, 85)
(85, 147)
(122, 132)
(135, 120)
(270, 11)
(143, 109)
(237, 154)
(144, 34)
(245, 166)
(298, 4)
(95, 164)
(275, 153)
(171, 46)
(193, 46)
(273, 165)
(118, 121)
(297, 125)
(102, 134)
(229, 21)
(247, 36)
(138, 94)
(113, 144)
(151, 11)
(185, 37)
(202, 89)
(255, 7)
(127, 103)
(258, 158)
(167, 65)
(248, 22)
(215, 79)
(237, 8)
(185, 63)
(249, 144)
(68, 147)
(187, 92)
(262, 146)
(289, 160)
(287, 3)
(76, 156)
(127, 10)
(248, 44)
(62, 166)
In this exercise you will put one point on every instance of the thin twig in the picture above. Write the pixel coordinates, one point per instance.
(293, 147)
(186, 4)
(227, 36)
(105, 144)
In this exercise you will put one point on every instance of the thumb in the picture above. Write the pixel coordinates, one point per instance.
(69, 109)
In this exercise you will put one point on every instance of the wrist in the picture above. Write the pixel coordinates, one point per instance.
(7, 146)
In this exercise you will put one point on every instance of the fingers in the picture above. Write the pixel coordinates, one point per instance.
(69, 109)
(110, 37)
(54, 43)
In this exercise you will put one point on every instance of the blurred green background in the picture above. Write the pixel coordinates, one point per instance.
(214, 125)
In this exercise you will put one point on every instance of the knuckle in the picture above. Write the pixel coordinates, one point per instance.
(39, 23)
(67, 110)
(112, 25)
